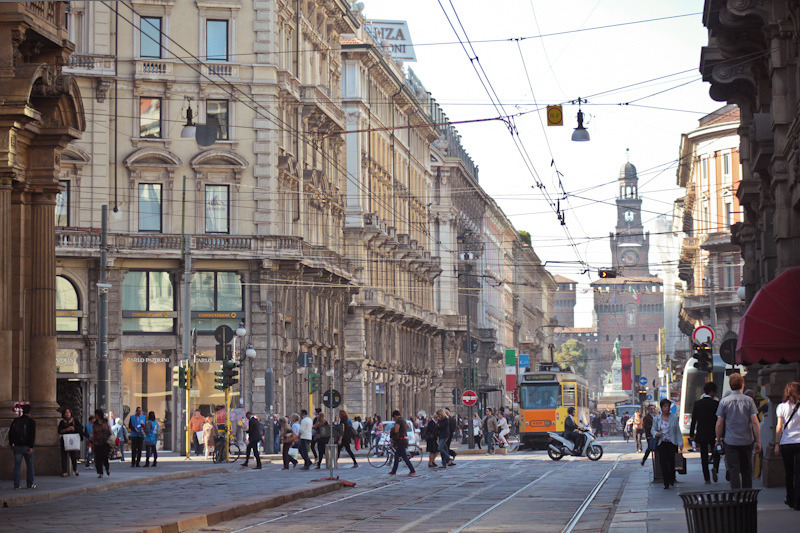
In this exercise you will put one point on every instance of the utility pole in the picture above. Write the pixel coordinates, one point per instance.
(469, 381)
(269, 378)
(186, 339)
(102, 313)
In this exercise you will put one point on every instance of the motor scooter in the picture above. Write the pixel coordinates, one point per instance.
(560, 446)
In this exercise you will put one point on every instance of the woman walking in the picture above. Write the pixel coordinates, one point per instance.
(443, 432)
(432, 441)
(68, 426)
(348, 434)
(638, 430)
(101, 432)
(667, 433)
(209, 432)
(287, 440)
(787, 436)
(151, 439)
(323, 436)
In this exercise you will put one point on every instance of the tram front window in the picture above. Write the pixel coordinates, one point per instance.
(541, 396)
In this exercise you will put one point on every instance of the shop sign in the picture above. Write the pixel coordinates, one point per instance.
(68, 314)
(147, 360)
(149, 314)
(217, 314)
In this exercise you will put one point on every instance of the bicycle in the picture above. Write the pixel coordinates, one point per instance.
(513, 442)
(383, 454)
(234, 452)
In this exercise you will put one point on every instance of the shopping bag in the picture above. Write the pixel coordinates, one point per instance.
(199, 435)
(680, 463)
(294, 452)
(72, 442)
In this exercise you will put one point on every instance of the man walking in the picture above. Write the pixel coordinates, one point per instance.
(453, 428)
(704, 418)
(399, 437)
(305, 438)
(197, 427)
(489, 429)
(136, 425)
(253, 438)
(22, 436)
(737, 426)
(276, 434)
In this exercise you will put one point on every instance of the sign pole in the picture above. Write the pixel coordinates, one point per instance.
(188, 409)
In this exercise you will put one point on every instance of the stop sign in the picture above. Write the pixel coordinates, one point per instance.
(469, 398)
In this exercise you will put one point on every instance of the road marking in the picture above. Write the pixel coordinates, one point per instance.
(501, 502)
(585, 505)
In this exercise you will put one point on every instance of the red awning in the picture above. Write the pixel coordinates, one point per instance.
(769, 331)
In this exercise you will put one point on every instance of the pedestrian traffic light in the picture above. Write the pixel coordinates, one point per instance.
(705, 362)
(314, 382)
(605, 273)
(456, 396)
(642, 395)
(226, 378)
(179, 377)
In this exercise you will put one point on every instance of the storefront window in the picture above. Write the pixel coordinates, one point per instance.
(67, 361)
(203, 395)
(147, 383)
(148, 302)
(67, 306)
(216, 300)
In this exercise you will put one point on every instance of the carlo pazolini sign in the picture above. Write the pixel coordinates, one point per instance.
(394, 36)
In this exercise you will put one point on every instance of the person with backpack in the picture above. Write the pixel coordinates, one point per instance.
(151, 439)
(22, 437)
(399, 437)
(347, 435)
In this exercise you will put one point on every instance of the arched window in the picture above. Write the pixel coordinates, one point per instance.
(67, 306)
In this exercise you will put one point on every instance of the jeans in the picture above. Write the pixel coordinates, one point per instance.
(150, 449)
(277, 444)
(666, 459)
(321, 443)
(705, 448)
(402, 453)
(303, 448)
(136, 450)
(21, 452)
(442, 450)
(737, 460)
(791, 465)
(489, 439)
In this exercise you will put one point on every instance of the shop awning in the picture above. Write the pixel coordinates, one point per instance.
(769, 331)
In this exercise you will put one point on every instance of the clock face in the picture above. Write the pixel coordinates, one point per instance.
(629, 215)
(630, 257)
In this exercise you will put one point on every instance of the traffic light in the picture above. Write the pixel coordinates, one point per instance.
(179, 377)
(456, 396)
(642, 395)
(605, 273)
(705, 361)
(226, 378)
(470, 378)
(314, 382)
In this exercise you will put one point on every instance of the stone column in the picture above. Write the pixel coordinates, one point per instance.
(6, 293)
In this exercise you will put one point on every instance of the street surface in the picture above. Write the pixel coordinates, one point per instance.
(522, 492)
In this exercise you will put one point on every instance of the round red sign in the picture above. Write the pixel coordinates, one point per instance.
(469, 397)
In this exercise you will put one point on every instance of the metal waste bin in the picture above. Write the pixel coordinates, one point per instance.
(731, 511)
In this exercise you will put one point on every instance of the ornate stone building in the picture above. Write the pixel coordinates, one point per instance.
(42, 113)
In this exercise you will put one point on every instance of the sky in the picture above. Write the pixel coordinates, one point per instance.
(641, 80)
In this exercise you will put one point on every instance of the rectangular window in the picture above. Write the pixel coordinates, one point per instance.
(217, 40)
(728, 215)
(62, 206)
(150, 207)
(217, 212)
(150, 117)
(217, 299)
(148, 302)
(726, 169)
(217, 115)
(704, 171)
(150, 37)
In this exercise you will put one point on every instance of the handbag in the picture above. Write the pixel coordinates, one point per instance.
(652, 444)
(112, 441)
(72, 442)
(680, 463)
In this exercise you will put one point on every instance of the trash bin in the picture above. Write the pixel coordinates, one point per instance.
(731, 511)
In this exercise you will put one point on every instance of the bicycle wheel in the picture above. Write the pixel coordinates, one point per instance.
(377, 457)
(414, 455)
(513, 445)
(233, 452)
(218, 456)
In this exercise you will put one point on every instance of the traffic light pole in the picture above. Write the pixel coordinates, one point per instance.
(470, 436)
(188, 411)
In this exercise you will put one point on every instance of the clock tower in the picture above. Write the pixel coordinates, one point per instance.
(629, 243)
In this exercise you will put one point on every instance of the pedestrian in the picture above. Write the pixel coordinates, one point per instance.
(276, 434)
(377, 430)
(489, 425)
(253, 437)
(288, 438)
(624, 423)
(151, 439)
(647, 426)
(666, 430)
(787, 438)
(431, 440)
(87, 431)
(305, 438)
(357, 428)
(399, 437)
(476, 429)
(136, 425)
(119, 431)
(348, 434)
(502, 427)
(323, 430)
(197, 424)
(443, 432)
(22, 437)
(597, 425)
(68, 426)
(314, 433)
(101, 432)
(209, 433)
(737, 427)
(704, 419)
(453, 427)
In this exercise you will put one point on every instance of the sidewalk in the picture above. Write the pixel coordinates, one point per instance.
(644, 502)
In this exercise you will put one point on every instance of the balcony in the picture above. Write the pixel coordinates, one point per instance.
(90, 65)
(155, 69)
(697, 303)
(322, 113)
(220, 70)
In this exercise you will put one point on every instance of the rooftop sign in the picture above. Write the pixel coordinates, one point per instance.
(394, 36)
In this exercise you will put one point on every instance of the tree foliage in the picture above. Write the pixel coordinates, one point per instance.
(573, 353)
(525, 236)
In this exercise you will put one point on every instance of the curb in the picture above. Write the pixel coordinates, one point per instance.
(205, 517)
(36, 497)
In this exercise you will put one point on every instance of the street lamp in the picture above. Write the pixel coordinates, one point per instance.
(580, 134)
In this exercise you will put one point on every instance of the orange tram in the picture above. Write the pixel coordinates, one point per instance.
(544, 397)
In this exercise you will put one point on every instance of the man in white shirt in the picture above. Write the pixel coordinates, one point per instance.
(305, 437)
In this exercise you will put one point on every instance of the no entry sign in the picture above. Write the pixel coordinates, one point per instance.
(469, 398)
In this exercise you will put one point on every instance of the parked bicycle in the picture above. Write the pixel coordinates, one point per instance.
(384, 454)
(234, 452)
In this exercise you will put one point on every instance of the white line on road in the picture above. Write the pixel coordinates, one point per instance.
(585, 505)
(501, 502)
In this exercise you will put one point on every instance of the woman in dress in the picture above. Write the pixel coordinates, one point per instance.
(432, 441)
(151, 439)
(209, 432)
(68, 426)
(101, 431)
(348, 433)
(787, 437)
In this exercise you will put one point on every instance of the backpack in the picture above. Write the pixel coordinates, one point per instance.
(18, 432)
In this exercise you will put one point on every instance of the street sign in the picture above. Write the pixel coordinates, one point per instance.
(305, 359)
(469, 398)
(649, 397)
(474, 346)
(727, 350)
(223, 334)
(332, 398)
(703, 335)
(524, 360)
(642, 381)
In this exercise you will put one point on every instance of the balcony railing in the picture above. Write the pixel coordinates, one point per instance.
(90, 65)
(153, 67)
